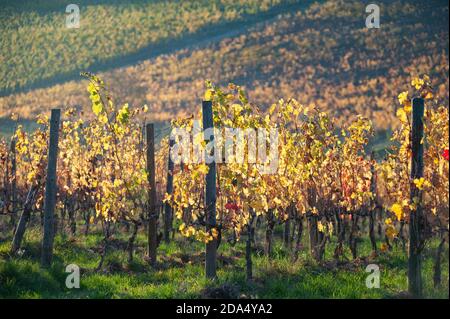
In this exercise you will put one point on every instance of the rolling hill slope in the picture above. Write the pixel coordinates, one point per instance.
(36, 47)
(324, 55)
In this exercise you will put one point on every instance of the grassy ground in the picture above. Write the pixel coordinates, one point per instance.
(180, 272)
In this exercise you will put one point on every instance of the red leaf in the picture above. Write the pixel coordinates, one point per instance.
(445, 154)
(231, 206)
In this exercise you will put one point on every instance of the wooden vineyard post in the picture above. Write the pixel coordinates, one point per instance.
(416, 218)
(50, 190)
(169, 190)
(373, 206)
(153, 212)
(13, 181)
(210, 196)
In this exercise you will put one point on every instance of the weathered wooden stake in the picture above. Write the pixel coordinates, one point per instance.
(210, 196)
(50, 190)
(153, 212)
(24, 218)
(416, 217)
(373, 206)
(13, 181)
(169, 190)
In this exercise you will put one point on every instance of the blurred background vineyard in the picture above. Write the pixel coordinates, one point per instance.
(159, 53)
(39, 47)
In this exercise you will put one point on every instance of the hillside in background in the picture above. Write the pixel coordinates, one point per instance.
(322, 55)
(36, 47)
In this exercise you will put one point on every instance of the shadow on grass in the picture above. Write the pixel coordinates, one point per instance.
(180, 273)
(312, 281)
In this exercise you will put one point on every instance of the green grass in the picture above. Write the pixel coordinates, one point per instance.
(180, 272)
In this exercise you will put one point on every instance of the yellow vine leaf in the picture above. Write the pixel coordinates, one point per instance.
(397, 209)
